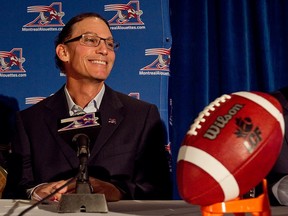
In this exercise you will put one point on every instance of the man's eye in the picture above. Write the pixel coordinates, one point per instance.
(110, 43)
(90, 40)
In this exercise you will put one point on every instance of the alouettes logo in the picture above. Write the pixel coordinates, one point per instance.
(162, 60)
(127, 14)
(46, 15)
(160, 66)
(12, 61)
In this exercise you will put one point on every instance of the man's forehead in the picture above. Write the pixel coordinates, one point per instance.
(93, 25)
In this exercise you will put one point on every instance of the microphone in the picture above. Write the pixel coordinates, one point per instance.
(82, 141)
(83, 153)
(82, 184)
(77, 130)
(81, 131)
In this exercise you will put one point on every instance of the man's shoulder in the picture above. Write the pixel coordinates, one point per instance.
(127, 99)
(46, 102)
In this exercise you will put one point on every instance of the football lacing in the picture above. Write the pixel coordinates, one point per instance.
(206, 112)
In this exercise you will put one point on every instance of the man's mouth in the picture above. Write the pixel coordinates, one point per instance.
(98, 62)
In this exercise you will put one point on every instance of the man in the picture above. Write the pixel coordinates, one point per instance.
(127, 160)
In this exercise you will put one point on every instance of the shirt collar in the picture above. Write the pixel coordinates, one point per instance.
(92, 106)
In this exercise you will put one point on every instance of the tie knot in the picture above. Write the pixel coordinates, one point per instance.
(77, 110)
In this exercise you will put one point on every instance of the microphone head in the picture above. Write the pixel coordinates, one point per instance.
(81, 138)
(82, 142)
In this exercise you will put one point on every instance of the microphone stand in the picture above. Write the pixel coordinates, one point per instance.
(83, 200)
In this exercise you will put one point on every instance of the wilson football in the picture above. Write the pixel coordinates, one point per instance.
(230, 147)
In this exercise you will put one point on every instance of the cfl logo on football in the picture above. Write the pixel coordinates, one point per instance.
(221, 121)
(251, 134)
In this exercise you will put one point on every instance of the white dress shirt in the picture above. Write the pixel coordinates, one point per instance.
(92, 106)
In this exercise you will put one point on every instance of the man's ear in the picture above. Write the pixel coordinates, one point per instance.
(62, 53)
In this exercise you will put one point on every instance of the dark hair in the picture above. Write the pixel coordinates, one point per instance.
(66, 32)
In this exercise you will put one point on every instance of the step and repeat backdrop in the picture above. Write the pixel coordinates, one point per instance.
(28, 30)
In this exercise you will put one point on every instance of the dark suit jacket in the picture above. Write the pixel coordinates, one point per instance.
(280, 168)
(129, 150)
(8, 109)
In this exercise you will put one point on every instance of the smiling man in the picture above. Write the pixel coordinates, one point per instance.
(128, 158)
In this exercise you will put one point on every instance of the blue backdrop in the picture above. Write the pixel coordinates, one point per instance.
(27, 36)
(28, 30)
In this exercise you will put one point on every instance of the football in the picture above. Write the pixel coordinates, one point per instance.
(230, 147)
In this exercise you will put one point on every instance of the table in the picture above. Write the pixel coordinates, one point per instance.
(120, 208)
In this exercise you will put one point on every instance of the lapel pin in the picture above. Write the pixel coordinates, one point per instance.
(112, 121)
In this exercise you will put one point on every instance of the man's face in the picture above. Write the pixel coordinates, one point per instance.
(86, 62)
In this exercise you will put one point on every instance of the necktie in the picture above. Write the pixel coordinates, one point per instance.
(77, 110)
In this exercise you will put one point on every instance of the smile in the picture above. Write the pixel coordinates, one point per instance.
(98, 62)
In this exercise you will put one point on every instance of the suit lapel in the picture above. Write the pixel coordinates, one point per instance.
(111, 116)
(57, 108)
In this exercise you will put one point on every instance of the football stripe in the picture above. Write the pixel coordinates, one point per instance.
(213, 167)
(265, 104)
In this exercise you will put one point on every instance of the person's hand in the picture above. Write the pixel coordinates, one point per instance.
(49, 188)
(111, 192)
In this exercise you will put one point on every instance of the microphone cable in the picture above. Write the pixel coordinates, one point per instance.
(47, 197)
